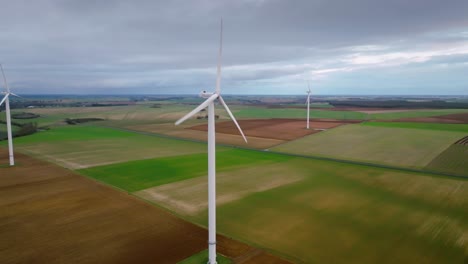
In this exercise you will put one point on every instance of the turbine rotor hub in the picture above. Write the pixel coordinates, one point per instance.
(205, 94)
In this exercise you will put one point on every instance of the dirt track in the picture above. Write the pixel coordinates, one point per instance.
(276, 128)
(49, 214)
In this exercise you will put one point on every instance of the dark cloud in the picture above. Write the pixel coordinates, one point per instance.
(67, 44)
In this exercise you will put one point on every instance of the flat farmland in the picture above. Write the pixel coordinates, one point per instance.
(418, 113)
(78, 147)
(452, 160)
(51, 215)
(417, 125)
(138, 175)
(264, 113)
(184, 131)
(261, 133)
(308, 210)
(275, 128)
(406, 147)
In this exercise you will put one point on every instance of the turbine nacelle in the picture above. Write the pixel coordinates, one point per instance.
(205, 94)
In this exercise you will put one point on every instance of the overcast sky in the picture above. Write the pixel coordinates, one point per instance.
(270, 46)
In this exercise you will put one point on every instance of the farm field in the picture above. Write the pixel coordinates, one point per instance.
(345, 114)
(452, 160)
(53, 215)
(300, 208)
(323, 207)
(375, 144)
(77, 147)
(184, 131)
(259, 112)
(428, 126)
(261, 133)
(417, 113)
(137, 175)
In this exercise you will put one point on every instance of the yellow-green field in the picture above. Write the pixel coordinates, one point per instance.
(308, 210)
(304, 209)
(383, 145)
(78, 147)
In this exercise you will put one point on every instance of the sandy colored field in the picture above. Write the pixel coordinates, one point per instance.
(229, 139)
(78, 147)
(51, 215)
(231, 186)
(393, 146)
(276, 128)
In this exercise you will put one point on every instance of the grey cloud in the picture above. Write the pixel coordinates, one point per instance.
(60, 44)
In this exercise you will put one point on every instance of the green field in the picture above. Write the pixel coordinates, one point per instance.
(202, 258)
(304, 209)
(257, 112)
(141, 174)
(383, 145)
(414, 125)
(262, 112)
(83, 146)
(308, 210)
(418, 113)
(453, 160)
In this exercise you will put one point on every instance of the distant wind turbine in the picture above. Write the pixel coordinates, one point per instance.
(308, 104)
(6, 100)
(209, 102)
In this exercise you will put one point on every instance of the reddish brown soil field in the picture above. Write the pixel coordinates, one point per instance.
(281, 129)
(49, 214)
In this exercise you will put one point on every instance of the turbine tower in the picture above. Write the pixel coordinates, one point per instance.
(6, 100)
(308, 104)
(209, 102)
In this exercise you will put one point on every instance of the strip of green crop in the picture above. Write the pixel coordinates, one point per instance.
(428, 126)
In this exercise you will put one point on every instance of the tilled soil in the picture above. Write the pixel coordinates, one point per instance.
(49, 214)
(276, 128)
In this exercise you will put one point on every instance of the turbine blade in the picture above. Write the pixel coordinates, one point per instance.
(232, 117)
(197, 109)
(4, 98)
(5, 80)
(15, 95)
(218, 73)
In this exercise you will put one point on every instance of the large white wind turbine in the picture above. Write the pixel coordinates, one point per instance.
(308, 104)
(209, 102)
(6, 100)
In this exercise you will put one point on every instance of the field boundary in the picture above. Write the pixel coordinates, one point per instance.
(362, 163)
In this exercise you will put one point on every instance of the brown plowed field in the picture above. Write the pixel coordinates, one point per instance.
(276, 128)
(49, 214)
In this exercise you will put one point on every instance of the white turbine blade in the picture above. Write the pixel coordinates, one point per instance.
(4, 98)
(16, 95)
(4, 79)
(232, 117)
(198, 109)
(218, 73)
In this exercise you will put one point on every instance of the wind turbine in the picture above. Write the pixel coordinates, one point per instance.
(209, 102)
(6, 100)
(308, 104)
